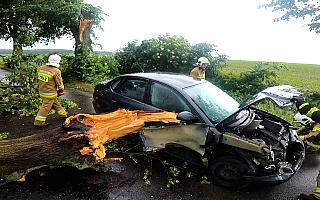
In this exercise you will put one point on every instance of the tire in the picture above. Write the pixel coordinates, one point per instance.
(228, 172)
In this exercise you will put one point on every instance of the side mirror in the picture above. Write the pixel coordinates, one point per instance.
(186, 116)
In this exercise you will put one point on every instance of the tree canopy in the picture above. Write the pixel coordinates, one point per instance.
(32, 21)
(298, 9)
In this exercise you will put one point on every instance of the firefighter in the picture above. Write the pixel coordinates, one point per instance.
(309, 132)
(50, 87)
(305, 109)
(200, 67)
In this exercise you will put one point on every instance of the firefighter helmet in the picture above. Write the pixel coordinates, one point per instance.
(54, 60)
(302, 119)
(202, 60)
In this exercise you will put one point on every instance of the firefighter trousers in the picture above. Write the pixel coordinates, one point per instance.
(316, 193)
(47, 105)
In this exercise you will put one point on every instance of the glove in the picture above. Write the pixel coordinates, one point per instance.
(299, 98)
(60, 93)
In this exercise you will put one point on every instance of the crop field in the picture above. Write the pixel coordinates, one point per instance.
(304, 76)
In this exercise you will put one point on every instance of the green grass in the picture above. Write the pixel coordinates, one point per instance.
(1, 63)
(87, 87)
(304, 76)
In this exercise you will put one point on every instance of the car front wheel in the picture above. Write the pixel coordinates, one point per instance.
(228, 172)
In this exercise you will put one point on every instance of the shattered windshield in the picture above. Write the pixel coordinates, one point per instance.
(215, 103)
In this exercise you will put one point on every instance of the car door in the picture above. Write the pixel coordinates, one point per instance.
(129, 94)
(162, 97)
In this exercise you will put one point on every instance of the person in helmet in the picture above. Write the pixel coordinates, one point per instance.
(309, 132)
(50, 87)
(200, 67)
(305, 108)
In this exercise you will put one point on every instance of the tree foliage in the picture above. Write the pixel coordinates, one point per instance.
(28, 22)
(166, 54)
(298, 9)
(21, 96)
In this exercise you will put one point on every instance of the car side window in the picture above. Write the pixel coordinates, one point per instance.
(166, 99)
(133, 89)
(115, 84)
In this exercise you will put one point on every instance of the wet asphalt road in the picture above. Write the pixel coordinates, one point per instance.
(125, 180)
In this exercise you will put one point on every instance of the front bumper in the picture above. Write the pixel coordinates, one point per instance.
(285, 171)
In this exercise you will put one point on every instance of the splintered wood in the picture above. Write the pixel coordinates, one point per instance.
(108, 127)
(84, 24)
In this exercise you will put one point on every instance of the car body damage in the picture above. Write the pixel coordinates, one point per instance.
(281, 95)
(192, 136)
(236, 143)
(268, 144)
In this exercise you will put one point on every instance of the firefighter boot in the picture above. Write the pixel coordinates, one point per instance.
(65, 115)
(40, 123)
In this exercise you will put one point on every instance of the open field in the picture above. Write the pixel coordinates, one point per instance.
(304, 76)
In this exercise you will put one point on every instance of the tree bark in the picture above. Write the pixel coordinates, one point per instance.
(21, 155)
(79, 143)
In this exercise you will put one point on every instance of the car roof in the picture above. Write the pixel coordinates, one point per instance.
(172, 79)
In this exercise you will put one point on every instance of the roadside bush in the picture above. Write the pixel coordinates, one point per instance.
(166, 54)
(11, 61)
(262, 76)
(88, 67)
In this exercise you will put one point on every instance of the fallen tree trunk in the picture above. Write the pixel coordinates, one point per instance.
(79, 142)
(21, 155)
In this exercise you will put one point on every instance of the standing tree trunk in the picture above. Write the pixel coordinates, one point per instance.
(83, 43)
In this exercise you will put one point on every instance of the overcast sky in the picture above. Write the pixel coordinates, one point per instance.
(238, 28)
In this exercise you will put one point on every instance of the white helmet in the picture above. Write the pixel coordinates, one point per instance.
(54, 60)
(302, 119)
(202, 60)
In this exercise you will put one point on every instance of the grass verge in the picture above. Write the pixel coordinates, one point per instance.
(86, 87)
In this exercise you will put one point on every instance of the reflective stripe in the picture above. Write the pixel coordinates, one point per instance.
(311, 111)
(40, 118)
(317, 190)
(61, 87)
(316, 129)
(62, 112)
(301, 137)
(48, 95)
(313, 145)
(303, 105)
(45, 72)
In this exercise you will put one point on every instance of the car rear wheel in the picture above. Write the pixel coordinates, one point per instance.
(228, 172)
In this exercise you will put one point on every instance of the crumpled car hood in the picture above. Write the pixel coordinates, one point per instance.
(281, 95)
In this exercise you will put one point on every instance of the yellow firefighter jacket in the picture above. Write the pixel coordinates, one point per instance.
(49, 80)
(198, 73)
(309, 131)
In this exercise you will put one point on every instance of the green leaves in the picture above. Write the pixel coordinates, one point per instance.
(25, 100)
(4, 135)
(146, 176)
(297, 9)
(165, 53)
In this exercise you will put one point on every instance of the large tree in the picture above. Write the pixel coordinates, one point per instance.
(305, 9)
(29, 21)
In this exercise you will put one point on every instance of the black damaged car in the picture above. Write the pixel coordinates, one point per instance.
(238, 144)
